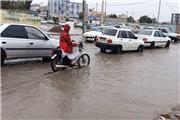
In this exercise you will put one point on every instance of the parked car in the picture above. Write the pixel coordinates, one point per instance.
(154, 38)
(172, 35)
(118, 40)
(24, 41)
(91, 35)
(44, 21)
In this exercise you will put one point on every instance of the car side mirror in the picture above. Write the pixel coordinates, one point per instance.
(135, 37)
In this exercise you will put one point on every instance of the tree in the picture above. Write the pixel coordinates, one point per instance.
(154, 20)
(130, 19)
(16, 5)
(81, 15)
(66, 19)
(145, 19)
(113, 16)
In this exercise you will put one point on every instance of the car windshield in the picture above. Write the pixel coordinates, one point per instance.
(145, 32)
(111, 32)
(99, 29)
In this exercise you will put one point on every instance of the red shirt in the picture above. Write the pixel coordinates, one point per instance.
(65, 40)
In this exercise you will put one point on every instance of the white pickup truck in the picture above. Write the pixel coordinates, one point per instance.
(24, 41)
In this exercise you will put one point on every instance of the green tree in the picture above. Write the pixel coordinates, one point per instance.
(113, 16)
(66, 19)
(154, 20)
(16, 5)
(145, 19)
(130, 19)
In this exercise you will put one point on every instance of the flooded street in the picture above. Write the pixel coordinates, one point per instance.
(130, 85)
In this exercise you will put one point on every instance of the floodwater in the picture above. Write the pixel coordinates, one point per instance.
(130, 85)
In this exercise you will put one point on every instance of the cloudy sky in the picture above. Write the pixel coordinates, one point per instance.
(136, 8)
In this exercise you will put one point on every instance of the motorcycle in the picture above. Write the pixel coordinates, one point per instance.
(61, 60)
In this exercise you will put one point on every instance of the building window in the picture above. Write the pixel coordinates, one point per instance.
(55, 11)
(55, 4)
(78, 6)
(62, 11)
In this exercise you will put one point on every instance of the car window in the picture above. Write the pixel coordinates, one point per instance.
(131, 35)
(161, 34)
(122, 34)
(14, 31)
(156, 34)
(111, 32)
(34, 33)
(164, 31)
(145, 32)
(117, 26)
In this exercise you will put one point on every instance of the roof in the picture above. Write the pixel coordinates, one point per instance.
(124, 29)
(7, 24)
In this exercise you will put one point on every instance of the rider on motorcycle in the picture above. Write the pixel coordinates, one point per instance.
(66, 44)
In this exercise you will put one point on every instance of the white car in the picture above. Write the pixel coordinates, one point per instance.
(118, 40)
(172, 35)
(24, 41)
(154, 38)
(91, 35)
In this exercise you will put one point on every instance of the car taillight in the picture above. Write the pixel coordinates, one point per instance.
(109, 41)
(145, 39)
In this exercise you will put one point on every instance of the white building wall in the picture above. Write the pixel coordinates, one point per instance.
(64, 8)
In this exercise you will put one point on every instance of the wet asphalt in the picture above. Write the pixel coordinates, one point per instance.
(129, 85)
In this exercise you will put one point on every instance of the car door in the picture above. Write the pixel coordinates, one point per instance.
(133, 42)
(39, 44)
(157, 38)
(14, 40)
(123, 39)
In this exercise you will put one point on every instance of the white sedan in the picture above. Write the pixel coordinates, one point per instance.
(118, 40)
(24, 41)
(154, 38)
(91, 35)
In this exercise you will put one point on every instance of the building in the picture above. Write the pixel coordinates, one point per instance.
(113, 21)
(64, 8)
(175, 19)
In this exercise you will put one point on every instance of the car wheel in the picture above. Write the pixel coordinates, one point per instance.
(117, 50)
(140, 48)
(152, 44)
(167, 44)
(2, 58)
(102, 50)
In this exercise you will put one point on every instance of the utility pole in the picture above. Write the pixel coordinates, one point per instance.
(96, 6)
(102, 13)
(84, 16)
(105, 6)
(132, 17)
(159, 9)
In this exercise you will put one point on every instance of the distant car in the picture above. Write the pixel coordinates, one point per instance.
(91, 35)
(44, 21)
(173, 36)
(154, 38)
(51, 21)
(24, 41)
(120, 26)
(118, 40)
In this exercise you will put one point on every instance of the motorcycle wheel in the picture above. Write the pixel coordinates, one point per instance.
(54, 62)
(84, 60)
